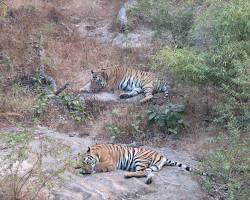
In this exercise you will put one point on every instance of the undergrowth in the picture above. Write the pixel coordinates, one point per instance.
(127, 125)
(20, 179)
(224, 66)
(169, 118)
(134, 125)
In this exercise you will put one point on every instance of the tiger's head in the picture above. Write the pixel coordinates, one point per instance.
(87, 162)
(91, 158)
(98, 80)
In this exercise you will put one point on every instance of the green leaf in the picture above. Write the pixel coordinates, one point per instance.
(151, 116)
(172, 130)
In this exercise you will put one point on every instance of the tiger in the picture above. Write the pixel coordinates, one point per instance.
(140, 162)
(133, 81)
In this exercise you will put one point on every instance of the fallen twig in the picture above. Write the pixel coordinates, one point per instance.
(11, 114)
(61, 88)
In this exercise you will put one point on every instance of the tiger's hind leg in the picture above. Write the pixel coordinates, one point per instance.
(139, 170)
(148, 91)
(130, 94)
(137, 174)
(149, 172)
(143, 173)
(147, 98)
(165, 89)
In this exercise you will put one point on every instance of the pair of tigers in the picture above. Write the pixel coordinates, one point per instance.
(108, 157)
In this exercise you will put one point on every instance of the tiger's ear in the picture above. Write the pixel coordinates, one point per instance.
(88, 151)
(92, 71)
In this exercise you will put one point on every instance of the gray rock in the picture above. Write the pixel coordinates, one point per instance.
(169, 183)
(122, 15)
(75, 19)
(122, 19)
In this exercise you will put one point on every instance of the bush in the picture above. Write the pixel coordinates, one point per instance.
(75, 107)
(225, 67)
(225, 64)
(230, 168)
(169, 118)
(186, 64)
(232, 22)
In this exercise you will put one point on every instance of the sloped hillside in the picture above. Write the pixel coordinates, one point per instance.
(47, 49)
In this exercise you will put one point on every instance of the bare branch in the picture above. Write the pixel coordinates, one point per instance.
(61, 88)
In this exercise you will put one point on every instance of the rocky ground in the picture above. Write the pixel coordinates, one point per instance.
(169, 183)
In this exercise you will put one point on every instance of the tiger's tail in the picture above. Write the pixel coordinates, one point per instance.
(187, 168)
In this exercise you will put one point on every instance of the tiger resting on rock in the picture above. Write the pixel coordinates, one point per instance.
(139, 161)
(133, 81)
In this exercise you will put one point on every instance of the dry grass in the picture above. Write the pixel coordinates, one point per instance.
(72, 60)
(7, 193)
(16, 103)
(15, 34)
(128, 124)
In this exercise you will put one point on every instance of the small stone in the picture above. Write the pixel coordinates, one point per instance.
(75, 19)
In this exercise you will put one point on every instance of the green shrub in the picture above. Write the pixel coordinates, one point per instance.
(42, 102)
(186, 64)
(231, 166)
(169, 118)
(73, 104)
(75, 107)
(113, 130)
(224, 64)
(225, 68)
(233, 22)
(128, 125)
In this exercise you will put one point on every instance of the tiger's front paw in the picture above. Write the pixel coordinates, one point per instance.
(124, 96)
(149, 180)
(84, 172)
(85, 90)
(127, 175)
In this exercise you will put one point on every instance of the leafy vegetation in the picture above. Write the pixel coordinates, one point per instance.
(75, 107)
(169, 118)
(134, 124)
(224, 65)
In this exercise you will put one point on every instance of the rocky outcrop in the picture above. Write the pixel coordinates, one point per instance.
(169, 183)
(122, 17)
